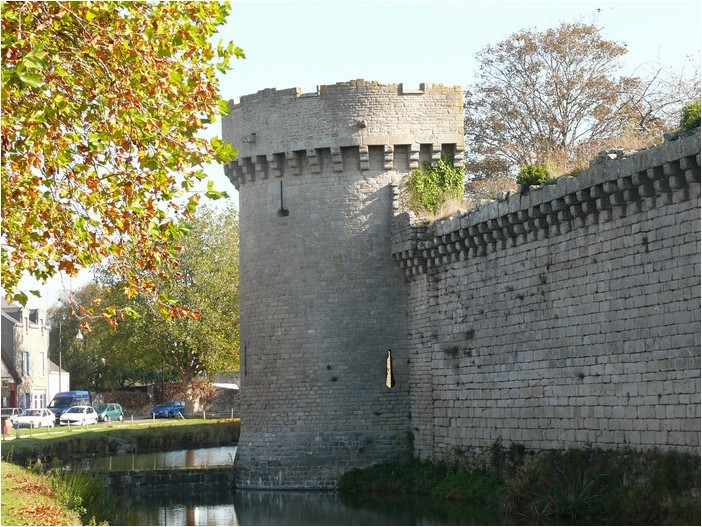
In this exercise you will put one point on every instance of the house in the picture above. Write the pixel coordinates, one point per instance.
(25, 354)
(59, 380)
(10, 381)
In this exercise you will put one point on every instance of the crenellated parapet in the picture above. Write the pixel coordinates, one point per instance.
(613, 187)
(357, 125)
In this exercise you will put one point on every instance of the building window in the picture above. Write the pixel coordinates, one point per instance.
(26, 363)
(43, 364)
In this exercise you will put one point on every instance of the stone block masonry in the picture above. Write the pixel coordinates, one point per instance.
(563, 317)
(321, 298)
(166, 481)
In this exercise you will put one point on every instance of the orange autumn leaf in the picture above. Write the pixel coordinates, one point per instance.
(96, 141)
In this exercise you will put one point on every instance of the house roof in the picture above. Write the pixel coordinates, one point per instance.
(11, 368)
(53, 368)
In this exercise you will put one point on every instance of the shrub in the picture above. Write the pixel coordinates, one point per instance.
(130, 401)
(648, 488)
(431, 186)
(424, 478)
(532, 174)
(690, 116)
(84, 494)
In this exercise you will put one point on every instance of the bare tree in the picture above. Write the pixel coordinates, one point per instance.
(545, 95)
(654, 99)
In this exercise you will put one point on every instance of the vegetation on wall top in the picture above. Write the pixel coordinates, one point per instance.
(433, 185)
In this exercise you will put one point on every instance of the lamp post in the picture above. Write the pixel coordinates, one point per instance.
(79, 336)
(60, 369)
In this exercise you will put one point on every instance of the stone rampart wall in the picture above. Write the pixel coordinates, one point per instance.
(562, 317)
(166, 480)
(279, 132)
(321, 299)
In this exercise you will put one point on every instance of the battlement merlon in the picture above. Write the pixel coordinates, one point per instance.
(354, 113)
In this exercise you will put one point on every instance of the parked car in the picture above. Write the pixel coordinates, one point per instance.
(169, 409)
(62, 401)
(12, 413)
(79, 415)
(35, 418)
(109, 411)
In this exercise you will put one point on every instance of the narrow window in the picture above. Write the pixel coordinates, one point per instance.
(389, 375)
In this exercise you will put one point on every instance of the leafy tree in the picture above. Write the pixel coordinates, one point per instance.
(546, 95)
(487, 176)
(146, 342)
(432, 185)
(690, 116)
(532, 174)
(537, 92)
(102, 106)
(208, 284)
(105, 359)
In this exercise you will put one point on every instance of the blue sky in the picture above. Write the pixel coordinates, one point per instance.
(303, 44)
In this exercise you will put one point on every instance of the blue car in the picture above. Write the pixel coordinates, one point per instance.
(169, 409)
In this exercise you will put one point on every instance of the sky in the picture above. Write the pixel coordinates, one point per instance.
(305, 44)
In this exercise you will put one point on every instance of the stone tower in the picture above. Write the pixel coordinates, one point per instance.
(322, 299)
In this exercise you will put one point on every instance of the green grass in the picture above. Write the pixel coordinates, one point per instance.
(424, 478)
(626, 486)
(579, 485)
(29, 499)
(59, 444)
(59, 431)
(61, 497)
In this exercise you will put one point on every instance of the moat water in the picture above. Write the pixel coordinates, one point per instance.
(187, 458)
(250, 507)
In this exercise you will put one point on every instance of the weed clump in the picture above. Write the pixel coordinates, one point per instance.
(650, 487)
(424, 478)
(577, 485)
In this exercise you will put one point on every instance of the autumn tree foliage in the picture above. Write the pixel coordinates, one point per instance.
(102, 106)
(556, 94)
(149, 343)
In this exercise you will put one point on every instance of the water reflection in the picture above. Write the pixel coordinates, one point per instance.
(248, 507)
(192, 458)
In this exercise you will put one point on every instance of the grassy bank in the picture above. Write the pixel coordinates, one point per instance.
(424, 478)
(73, 497)
(31, 499)
(144, 436)
(590, 485)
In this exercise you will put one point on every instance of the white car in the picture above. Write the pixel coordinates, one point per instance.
(79, 415)
(11, 413)
(35, 418)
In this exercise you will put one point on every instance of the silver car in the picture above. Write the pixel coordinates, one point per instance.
(35, 418)
(79, 415)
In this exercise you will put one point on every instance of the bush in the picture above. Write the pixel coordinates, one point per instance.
(84, 494)
(431, 186)
(690, 116)
(578, 485)
(130, 401)
(533, 174)
(648, 488)
(424, 478)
